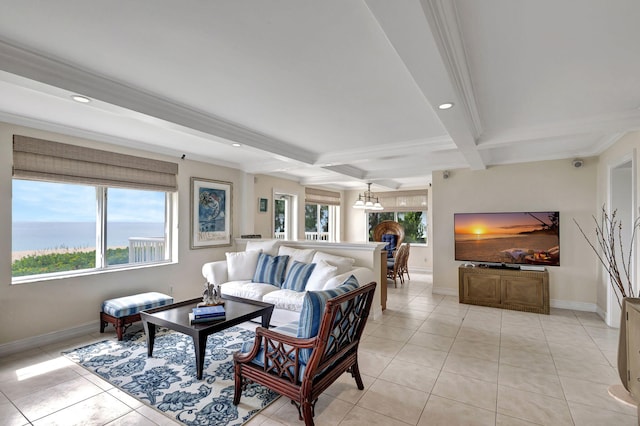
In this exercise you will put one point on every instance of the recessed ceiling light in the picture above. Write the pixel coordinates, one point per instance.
(237, 145)
(81, 99)
(446, 105)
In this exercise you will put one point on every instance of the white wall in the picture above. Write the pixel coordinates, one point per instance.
(265, 187)
(623, 150)
(35, 309)
(536, 186)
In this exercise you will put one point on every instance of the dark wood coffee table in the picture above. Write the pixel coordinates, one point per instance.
(176, 317)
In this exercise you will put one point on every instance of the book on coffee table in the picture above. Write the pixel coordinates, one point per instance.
(208, 312)
(216, 318)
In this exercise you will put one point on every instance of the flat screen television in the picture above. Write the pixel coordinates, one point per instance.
(508, 238)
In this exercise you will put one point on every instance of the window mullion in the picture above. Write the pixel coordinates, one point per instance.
(101, 227)
(168, 220)
(332, 224)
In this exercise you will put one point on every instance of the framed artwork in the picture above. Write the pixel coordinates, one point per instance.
(262, 205)
(210, 213)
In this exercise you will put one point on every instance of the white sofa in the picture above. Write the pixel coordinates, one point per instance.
(285, 289)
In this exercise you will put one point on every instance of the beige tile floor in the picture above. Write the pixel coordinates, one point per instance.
(428, 361)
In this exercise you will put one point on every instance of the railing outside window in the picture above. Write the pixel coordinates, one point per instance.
(316, 236)
(146, 249)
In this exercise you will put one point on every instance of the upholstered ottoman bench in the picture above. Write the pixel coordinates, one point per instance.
(123, 311)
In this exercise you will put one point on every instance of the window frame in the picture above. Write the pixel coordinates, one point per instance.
(101, 265)
(395, 218)
(332, 221)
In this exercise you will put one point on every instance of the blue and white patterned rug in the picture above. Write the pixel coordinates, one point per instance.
(168, 383)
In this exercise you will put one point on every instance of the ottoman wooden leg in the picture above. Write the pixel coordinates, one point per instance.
(103, 323)
(120, 328)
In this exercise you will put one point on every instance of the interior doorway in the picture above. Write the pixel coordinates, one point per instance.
(284, 218)
(622, 202)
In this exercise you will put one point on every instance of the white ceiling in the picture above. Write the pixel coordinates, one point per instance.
(329, 93)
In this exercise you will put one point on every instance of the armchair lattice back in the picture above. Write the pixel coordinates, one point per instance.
(277, 360)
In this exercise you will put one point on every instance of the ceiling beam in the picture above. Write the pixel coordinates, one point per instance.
(427, 40)
(18, 60)
(411, 148)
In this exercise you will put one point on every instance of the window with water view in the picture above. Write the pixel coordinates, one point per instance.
(60, 228)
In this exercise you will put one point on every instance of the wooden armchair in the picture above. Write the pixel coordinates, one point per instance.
(389, 227)
(397, 267)
(404, 266)
(277, 360)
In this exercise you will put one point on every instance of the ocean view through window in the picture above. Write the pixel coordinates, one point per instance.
(58, 227)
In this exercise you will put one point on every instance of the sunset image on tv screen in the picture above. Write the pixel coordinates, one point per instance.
(522, 237)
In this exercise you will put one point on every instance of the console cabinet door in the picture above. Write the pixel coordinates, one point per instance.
(522, 291)
(481, 288)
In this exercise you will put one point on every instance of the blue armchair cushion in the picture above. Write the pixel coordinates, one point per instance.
(392, 242)
(270, 269)
(298, 276)
(313, 310)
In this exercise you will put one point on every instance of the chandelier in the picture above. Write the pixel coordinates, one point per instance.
(368, 201)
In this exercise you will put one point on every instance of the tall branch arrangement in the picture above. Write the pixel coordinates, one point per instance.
(610, 252)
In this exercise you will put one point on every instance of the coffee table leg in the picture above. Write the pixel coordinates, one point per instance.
(200, 344)
(150, 331)
(266, 318)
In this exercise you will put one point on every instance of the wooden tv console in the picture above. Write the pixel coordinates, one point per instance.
(504, 288)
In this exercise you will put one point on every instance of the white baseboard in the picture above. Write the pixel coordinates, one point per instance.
(560, 304)
(445, 291)
(420, 270)
(46, 339)
(602, 314)
(575, 306)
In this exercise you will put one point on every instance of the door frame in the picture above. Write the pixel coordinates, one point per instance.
(613, 202)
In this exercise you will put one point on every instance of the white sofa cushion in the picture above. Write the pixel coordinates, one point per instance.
(344, 264)
(247, 289)
(269, 247)
(290, 300)
(322, 273)
(241, 265)
(299, 255)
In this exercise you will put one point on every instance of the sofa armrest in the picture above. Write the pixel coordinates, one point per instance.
(215, 272)
(362, 274)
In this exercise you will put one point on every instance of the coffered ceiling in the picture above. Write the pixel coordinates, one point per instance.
(329, 93)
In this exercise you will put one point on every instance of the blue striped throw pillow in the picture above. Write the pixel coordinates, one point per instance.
(270, 269)
(313, 306)
(298, 276)
(313, 309)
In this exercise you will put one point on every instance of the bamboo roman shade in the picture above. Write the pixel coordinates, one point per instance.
(39, 159)
(404, 201)
(322, 197)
